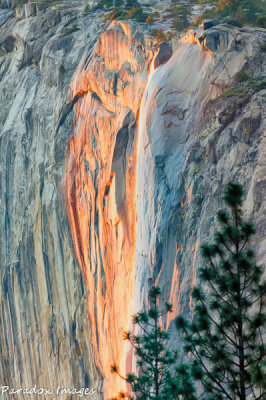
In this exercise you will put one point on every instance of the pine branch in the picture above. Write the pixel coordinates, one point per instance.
(207, 371)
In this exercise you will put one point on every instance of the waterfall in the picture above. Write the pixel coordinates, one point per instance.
(145, 166)
(170, 112)
(120, 187)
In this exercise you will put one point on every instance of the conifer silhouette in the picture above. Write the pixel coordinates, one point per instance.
(225, 338)
(159, 377)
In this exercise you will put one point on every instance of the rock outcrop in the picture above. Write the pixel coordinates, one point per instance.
(112, 169)
(44, 326)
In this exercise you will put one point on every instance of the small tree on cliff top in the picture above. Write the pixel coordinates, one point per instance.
(226, 335)
(158, 376)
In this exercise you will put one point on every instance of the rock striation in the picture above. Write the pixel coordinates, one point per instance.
(196, 136)
(100, 182)
(173, 111)
(113, 160)
(44, 326)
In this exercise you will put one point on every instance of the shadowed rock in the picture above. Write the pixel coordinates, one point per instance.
(165, 53)
(208, 23)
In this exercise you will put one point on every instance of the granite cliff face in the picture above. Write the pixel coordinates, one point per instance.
(112, 164)
(195, 137)
(44, 325)
(100, 184)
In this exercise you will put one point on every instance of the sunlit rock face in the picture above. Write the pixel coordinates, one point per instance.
(100, 185)
(112, 168)
(136, 210)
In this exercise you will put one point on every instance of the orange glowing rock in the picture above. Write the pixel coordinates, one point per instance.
(101, 184)
(191, 37)
(100, 189)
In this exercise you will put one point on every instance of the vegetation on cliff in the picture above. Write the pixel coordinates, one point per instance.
(125, 9)
(181, 14)
(245, 83)
(236, 12)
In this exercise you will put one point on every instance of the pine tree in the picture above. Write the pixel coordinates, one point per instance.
(159, 377)
(119, 3)
(161, 36)
(225, 337)
(236, 12)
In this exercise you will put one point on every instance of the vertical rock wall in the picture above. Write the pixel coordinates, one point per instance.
(138, 180)
(175, 207)
(100, 185)
(195, 137)
(44, 328)
(169, 118)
